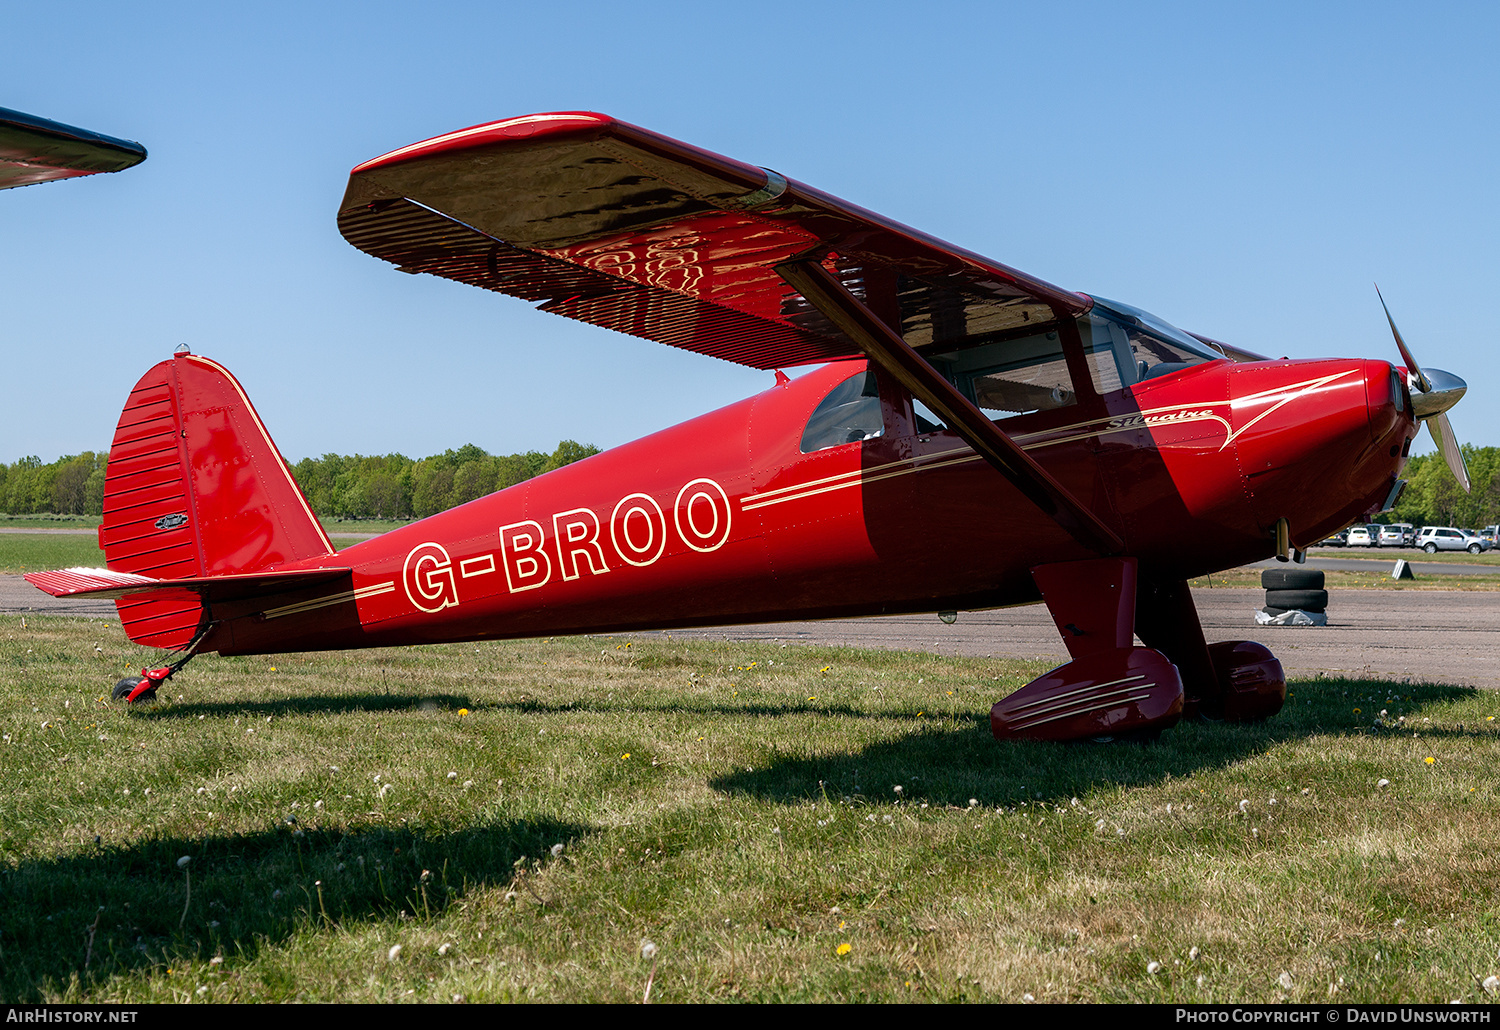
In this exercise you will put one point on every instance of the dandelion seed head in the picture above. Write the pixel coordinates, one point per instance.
(1285, 980)
(394, 953)
(182, 863)
(1193, 953)
(452, 775)
(1491, 984)
(557, 850)
(1153, 968)
(648, 950)
(1383, 783)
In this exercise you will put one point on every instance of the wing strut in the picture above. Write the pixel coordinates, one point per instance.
(912, 371)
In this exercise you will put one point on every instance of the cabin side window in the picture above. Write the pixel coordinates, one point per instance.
(1011, 377)
(850, 413)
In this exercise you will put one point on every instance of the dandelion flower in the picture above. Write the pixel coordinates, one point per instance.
(1429, 760)
(625, 756)
(463, 711)
(843, 949)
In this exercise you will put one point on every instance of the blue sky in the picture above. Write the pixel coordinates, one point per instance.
(1244, 171)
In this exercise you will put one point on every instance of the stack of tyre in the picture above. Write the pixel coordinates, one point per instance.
(1293, 590)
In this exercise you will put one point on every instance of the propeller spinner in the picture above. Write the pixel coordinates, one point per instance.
(1433, 393)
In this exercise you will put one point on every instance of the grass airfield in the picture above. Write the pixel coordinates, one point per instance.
(381, 826)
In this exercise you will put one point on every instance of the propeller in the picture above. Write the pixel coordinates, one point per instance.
(1433, 393)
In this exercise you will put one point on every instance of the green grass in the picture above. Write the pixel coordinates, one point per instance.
(1411, 554)
(732, 803)
(361, 525)
(1341, 579)
(38, 552)
(47, 520)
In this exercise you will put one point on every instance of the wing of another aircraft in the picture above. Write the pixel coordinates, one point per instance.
(612, 224)
(36, 150)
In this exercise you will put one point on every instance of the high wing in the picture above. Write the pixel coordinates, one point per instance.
(36, 150)
(612, 224)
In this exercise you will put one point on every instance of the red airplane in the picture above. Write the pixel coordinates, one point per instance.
(958, 400)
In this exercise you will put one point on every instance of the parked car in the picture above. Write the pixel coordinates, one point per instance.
(1359, 536)
(1446, 538)
(1339, 539)
(1390, 536)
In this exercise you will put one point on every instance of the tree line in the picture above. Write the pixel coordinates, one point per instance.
(393, 486)
(1434, 498)
(338, 486)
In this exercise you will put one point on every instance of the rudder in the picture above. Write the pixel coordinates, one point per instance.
(196, 487)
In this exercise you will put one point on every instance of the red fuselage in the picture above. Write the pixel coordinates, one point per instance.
(724, 519)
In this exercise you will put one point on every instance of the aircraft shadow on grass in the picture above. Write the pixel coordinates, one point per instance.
(952, 766)
(311, 704)
(116, 911)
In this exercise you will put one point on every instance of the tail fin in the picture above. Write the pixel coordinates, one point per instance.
(195, 487)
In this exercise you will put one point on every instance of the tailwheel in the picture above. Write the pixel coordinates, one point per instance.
(137, 689)
(126, 686)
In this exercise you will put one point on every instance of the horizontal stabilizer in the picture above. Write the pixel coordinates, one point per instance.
(106, 583)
